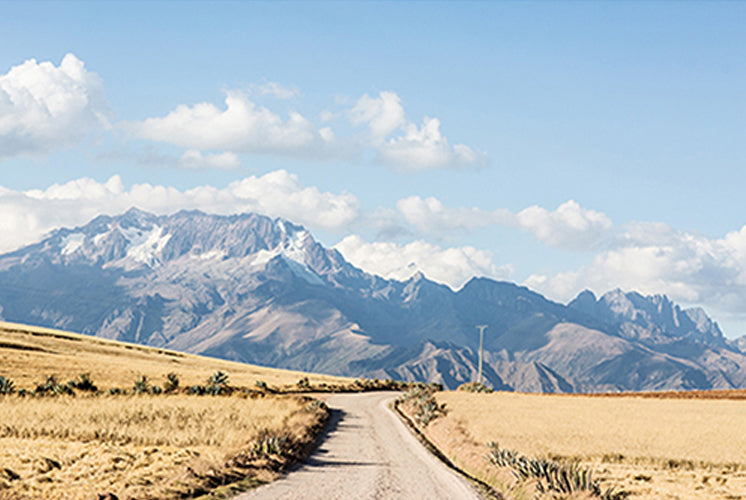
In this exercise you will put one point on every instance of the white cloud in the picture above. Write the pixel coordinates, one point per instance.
(25, 216)
(242, 127)
(45, 107)
(382, 115)
(432, 216)
(451, 266)
(426, 148)
(569, 226)
(655, 258)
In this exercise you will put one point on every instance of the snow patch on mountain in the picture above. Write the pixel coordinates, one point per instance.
(71, 243)
(144, 246)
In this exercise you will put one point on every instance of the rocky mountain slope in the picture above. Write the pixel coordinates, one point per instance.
(261, 290)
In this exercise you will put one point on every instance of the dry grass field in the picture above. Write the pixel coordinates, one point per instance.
(144, 446)
(140, 446)
(650, 447)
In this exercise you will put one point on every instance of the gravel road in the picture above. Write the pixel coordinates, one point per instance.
(367, 453)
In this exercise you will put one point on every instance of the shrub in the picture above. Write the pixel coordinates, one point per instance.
(142, 386)
(267, 444)
(6, 386)
(171, 384)
(53, 387)
(422, 399)
(217, 384)
(262, 385)
(474, 387)
(196, 390)
(303, 384)
(550, 475)
(83, 383)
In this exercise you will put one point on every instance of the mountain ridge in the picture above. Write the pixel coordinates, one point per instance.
(250, 288)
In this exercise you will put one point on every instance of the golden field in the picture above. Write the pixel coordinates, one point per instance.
(658, 448)
(141, 446)
(29, 354)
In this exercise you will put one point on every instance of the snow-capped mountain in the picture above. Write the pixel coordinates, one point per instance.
(261, 290)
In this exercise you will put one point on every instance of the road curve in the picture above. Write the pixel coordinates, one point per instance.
(367, 453)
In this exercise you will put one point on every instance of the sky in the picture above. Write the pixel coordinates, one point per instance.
(559, 145)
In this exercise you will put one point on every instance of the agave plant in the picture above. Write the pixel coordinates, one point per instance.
(217, 383)
(141, 385)
(551, 475)
(84, 383)
(6, 386)
(172, 383)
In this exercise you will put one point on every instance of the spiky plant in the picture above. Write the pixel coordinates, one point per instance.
(142, 386)
(550, 475)
(6, 386)
(84, 383)
(217, 383)
(172, 383)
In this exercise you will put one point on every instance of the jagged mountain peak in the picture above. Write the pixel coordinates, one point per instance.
(654, 318)
(259, 289)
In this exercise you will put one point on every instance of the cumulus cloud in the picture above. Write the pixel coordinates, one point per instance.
(25, 216)
(44, 107)
(425, 148)
(241, 127)
(382, 115)
(451, 266)
(655, 258)
(569, 226)
(373, 124)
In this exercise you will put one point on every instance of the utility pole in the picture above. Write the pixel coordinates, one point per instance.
(481, 350)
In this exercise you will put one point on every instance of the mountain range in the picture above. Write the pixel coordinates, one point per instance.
(260, 290)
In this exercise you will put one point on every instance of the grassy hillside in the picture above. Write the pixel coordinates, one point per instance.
(92, 443)
(29, 354)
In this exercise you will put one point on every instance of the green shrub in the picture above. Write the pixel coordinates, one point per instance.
(52, 387)
(83, 383)
(422, 398)
(171, 384)
(550, 476)
(6, 386)
(303, 384)
(217, 384)
(474, 387)
(142, 386)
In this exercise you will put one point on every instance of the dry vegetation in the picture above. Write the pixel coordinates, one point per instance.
(146, 446)
(650, 447)
(27, 354)
(57, 445)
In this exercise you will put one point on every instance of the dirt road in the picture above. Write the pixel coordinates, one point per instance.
(368, 453)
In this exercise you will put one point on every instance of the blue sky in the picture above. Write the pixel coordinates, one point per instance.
(562, 145)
